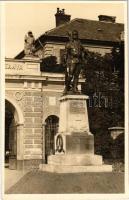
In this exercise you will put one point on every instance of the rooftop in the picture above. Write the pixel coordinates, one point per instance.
(88, 30)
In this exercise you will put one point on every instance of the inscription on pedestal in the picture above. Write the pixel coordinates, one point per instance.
(77, 107)
(80, 144)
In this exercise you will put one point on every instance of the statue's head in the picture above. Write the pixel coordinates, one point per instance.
(75, 34)
(30, 33)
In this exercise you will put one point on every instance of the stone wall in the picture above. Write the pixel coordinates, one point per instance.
(32, 124)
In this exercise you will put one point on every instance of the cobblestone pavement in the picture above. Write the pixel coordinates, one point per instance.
(38, 182)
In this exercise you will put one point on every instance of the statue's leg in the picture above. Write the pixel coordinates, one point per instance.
(76, 77)
(72, 72)
(66, 81)
(68, 78)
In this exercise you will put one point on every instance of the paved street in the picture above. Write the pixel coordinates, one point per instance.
(38, 182)
(11, 177)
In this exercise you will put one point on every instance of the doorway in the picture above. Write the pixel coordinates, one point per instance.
(51, 128)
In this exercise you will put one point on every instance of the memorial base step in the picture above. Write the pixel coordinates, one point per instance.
(75, 159)
(74, 169)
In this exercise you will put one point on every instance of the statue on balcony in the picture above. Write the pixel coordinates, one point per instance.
(74, 60)
(29, 42)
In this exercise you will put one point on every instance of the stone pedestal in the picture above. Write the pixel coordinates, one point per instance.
(73, 114)
(74, 144)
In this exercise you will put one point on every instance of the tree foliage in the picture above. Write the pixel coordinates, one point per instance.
(105, 87)
(49, 64)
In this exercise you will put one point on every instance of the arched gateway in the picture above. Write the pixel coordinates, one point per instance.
(13, 133)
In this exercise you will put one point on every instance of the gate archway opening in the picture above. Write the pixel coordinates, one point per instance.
(10, 133)
(13, 134)
(51, 128)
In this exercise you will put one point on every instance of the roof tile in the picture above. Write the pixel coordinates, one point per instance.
(90, 29)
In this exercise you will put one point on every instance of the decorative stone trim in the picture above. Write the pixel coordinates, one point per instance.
(17, 107)
(20, 137)
(19, 95)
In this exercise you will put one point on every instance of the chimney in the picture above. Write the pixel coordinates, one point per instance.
(61, 17)
(106, 18)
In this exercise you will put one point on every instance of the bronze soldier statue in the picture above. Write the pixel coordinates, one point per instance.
(29, 44)
(73, 62)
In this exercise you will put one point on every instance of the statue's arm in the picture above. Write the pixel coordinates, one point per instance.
(85, 53)
(33, 39)
(25, 39)
(66, 53)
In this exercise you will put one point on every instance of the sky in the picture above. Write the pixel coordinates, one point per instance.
(39, 18)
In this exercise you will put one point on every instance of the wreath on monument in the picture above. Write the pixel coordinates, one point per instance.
(59, 144)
